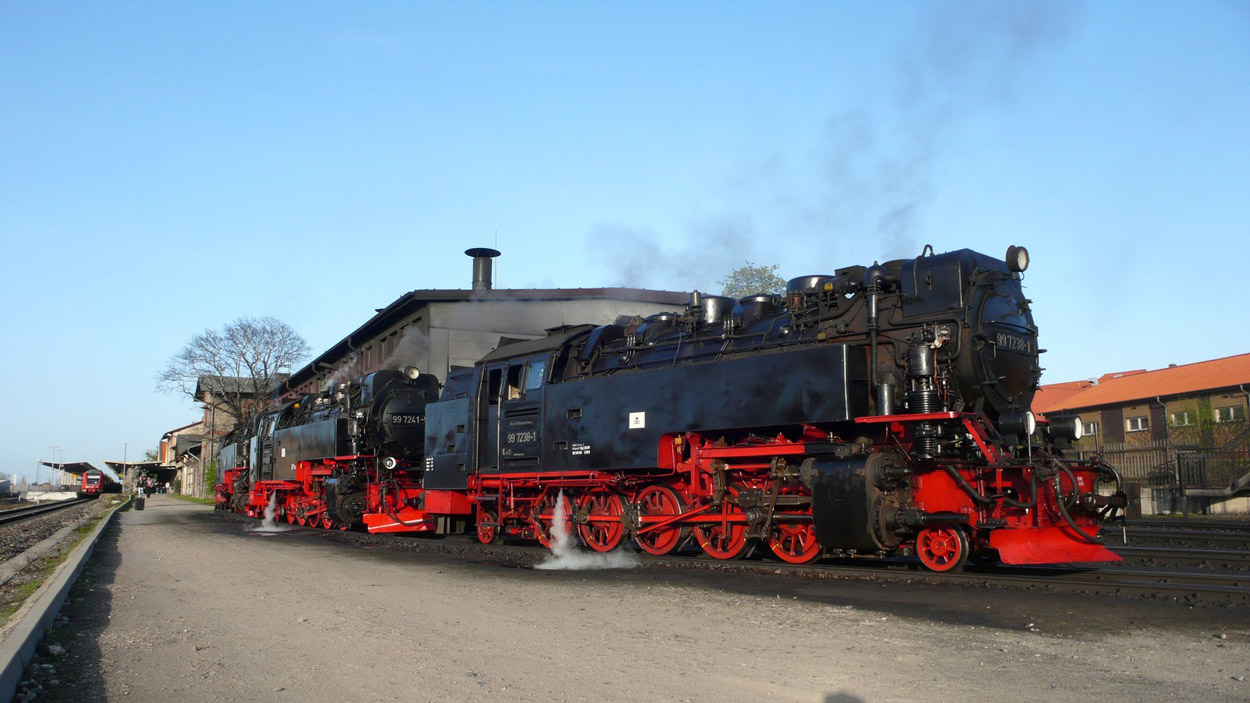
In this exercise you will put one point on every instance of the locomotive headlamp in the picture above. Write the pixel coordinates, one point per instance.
(1017, 422)
(389, 463)
(412, 372)
(1017, 259)
(1067, 427)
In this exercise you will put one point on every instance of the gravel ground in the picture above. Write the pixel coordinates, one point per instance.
(182, 605)
(17, 537)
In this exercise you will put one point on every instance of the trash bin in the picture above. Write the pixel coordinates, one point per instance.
(139, 503)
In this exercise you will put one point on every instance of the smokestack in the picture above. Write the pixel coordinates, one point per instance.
(481, 266)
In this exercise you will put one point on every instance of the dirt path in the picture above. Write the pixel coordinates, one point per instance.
(180, 605)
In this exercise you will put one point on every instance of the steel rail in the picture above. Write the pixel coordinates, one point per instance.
(19, 514)
(1176, 554)
(1189, 524)
(1116, 581)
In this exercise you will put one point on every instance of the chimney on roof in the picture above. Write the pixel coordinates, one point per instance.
(1171, 366)
(481, 266)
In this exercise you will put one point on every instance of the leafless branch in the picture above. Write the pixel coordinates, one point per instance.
(241, 362)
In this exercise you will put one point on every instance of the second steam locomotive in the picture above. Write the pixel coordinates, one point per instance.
(877, 410)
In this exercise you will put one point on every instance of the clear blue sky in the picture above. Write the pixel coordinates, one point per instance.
(168, 167)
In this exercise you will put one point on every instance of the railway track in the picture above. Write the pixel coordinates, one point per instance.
(1191, 524)
(1195, 584)
(19, 514)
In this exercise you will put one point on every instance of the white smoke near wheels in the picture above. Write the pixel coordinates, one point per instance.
(567, 555)
(270, 524)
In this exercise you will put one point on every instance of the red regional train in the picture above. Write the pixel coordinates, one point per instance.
(873, 411)
(96, 482)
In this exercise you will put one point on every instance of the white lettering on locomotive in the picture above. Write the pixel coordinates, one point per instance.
(1012, 342)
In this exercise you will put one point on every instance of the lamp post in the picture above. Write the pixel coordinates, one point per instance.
(54, 448)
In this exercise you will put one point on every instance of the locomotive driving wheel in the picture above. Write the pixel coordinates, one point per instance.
(726, 538)
(487, 526)
(942, 548)
(603, 530)
(660, 501)
(544, 516)
(794, 543)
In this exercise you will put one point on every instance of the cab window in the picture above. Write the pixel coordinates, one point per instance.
(493, 378)
(514, 382)
(534, 374)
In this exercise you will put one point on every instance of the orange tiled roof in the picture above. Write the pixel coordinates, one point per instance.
(1127, 386)
(1052, 395)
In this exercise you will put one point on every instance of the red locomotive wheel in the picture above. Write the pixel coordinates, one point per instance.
(726, 538)
(487, 527)
(544, 518)
(326, 522)
(794, 543)
(603, 530)
(660, 501)
(942, 548)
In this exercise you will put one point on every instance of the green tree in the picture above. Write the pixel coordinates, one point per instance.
(753, 280)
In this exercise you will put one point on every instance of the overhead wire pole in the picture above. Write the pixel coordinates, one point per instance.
(52, 472)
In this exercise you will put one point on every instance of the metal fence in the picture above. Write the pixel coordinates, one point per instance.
(1163, 464)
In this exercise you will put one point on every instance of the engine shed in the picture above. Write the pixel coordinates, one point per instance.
(440, 331)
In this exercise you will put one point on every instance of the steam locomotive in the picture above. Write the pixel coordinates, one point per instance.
(348, 455)
(877, 410)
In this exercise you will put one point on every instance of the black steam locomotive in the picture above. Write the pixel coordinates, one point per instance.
(875, 410)
(328, 459)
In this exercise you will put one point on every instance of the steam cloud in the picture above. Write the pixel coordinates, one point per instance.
(270, 525)
(566, 555)
(872, 173)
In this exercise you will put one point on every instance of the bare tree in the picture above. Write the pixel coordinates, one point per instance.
(236, 367)
(753, 280)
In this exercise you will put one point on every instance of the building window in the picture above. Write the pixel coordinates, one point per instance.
(1137, 424)
(1232, 413)
(1091, 429)
(1184, 418)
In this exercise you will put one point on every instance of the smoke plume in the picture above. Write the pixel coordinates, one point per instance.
(863, 189)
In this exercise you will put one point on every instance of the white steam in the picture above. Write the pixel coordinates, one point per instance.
(270, 524)
(567, 555)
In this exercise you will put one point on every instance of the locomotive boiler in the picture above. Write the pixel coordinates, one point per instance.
(874, 410)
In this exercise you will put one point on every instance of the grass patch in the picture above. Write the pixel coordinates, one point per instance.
(193, 499)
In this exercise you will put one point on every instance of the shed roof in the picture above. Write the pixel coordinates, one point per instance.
(412, 301)
(234, 385)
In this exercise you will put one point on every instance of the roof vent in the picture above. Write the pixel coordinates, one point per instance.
(481, 266)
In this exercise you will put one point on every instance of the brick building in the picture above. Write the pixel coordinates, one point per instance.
(1181, 429)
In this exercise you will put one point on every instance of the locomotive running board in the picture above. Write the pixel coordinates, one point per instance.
(1046, 545)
